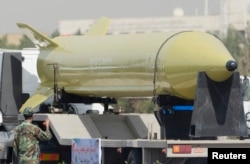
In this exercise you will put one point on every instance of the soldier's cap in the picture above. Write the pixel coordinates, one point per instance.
(28, 111)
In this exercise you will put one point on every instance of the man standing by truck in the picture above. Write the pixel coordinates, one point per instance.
(26, 139)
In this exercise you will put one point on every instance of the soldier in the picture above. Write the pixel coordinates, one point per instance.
(26, 139)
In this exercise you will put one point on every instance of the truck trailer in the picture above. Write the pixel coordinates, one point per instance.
(125, 137)
(190, 76)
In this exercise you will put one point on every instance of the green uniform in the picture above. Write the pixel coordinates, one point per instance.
(26, 142)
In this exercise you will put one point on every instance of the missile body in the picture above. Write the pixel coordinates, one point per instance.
(159, 65)
(133, 65)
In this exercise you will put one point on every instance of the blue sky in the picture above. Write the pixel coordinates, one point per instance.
(45, 14)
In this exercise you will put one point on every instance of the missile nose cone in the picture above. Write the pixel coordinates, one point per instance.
(231, 65)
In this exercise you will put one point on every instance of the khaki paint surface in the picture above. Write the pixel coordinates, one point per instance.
(126, 65)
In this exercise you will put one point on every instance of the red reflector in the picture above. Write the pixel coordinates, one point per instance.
(49, 157)
(182, 149)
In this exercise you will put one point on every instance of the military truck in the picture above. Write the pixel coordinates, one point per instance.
(182, 130)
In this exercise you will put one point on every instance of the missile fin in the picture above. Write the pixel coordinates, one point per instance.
(41, 95)
(99, 27)
(39, 40)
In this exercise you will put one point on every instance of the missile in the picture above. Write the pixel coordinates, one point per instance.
(127, 65)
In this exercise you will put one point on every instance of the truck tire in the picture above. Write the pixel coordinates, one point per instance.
(135, 156)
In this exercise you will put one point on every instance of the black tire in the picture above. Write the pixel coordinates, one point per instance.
(135, 156)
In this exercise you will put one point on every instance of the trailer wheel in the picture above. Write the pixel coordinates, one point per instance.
(135, 156)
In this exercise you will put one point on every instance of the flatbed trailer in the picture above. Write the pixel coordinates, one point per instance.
(158, 150)
(162, 137)
(133, 131)
(194, 148)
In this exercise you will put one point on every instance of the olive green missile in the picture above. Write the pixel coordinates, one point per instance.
(127, 65)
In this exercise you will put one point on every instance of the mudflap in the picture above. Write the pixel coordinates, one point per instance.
(218, 108)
